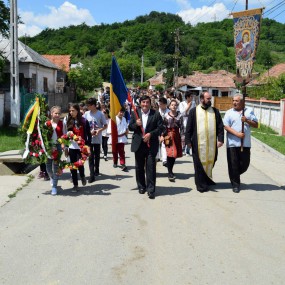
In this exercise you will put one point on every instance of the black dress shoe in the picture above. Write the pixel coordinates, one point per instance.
(151, 195)
(236, 189)
(202, 190)
(91, 179)
(141, 191)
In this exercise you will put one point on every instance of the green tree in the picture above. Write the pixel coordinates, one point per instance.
(86, 78)
(204, 47)
(272, 89)
(4, 30)
(263, 55)
(159, 88)
(4, 19)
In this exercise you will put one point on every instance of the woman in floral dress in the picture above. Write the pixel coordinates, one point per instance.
(173, 121)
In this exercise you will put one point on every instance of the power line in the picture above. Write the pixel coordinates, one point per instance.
(274, 8)
(279, 14)
(270, 2)
(261, 4)
(195, 19)
(234, 6)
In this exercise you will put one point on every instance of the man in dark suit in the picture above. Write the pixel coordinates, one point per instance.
(147, 126)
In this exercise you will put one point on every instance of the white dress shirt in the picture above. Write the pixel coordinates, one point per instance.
(144, 119)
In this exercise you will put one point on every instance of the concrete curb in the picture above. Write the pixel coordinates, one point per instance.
(269, 149)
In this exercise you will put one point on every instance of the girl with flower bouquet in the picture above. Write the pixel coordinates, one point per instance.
(52, 164)
(76, 126)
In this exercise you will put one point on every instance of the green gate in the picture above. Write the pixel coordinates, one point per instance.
(27, 99)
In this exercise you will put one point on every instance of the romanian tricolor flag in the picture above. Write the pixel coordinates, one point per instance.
(118, 97)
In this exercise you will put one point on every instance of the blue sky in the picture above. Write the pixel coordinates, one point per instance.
(38, 15)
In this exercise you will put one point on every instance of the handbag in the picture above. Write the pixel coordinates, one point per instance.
(167, 140)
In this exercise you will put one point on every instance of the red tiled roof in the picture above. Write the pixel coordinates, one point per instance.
(223, 72)
(219, 79)
(62, 61)
(274, 71)
(157, 79)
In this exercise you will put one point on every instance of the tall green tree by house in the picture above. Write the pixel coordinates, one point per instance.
(86, 78)
(4, 18)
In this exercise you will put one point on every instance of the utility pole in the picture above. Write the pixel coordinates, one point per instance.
(14, 66)
(142, 68)
(176, 58)
(133, 75)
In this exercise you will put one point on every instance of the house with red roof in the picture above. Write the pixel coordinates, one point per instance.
(63, 64)
(157, 79)
(219, 83)
(274, 71)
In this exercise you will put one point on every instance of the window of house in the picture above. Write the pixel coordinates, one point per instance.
(215, 92)
(34, 83)
(45, 84)
(225, 94)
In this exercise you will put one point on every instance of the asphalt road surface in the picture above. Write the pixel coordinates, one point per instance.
(108, 233)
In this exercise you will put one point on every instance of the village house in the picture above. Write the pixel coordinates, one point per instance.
(36, 75)
(219, 83)
(65, 90)
(63, 64)
(157, 79)
(274, 71)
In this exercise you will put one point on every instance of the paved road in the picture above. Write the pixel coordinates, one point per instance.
(110, 234)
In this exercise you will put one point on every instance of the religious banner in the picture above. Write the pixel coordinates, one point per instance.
(246, 36)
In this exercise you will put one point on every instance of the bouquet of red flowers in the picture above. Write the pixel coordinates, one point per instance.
(67, 138)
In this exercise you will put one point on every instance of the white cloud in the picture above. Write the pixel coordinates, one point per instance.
(217, 12)
(67, 14)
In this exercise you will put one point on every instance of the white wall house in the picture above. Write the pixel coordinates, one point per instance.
(36, 73)
(219, 83)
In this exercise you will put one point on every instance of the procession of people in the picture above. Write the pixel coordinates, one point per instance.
(162, 128)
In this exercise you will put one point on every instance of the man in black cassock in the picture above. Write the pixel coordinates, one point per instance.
(204, 134)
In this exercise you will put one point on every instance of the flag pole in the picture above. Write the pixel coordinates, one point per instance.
(134, 108)
(243, 95)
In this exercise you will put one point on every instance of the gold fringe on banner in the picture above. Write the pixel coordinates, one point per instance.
(247, 13)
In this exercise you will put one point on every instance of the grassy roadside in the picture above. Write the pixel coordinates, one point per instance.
(269, 137)
(9, 139)
(29, 179)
